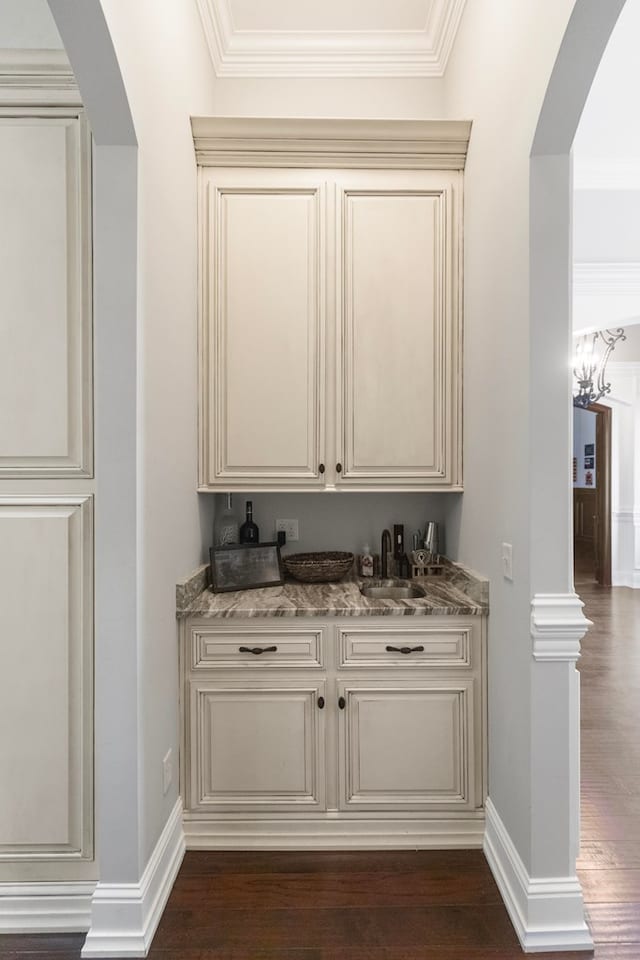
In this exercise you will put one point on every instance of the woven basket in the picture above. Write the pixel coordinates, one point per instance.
(322, 567)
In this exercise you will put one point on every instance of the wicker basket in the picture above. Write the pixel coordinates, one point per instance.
(322, 567)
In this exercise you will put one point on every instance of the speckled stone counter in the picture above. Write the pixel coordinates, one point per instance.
(458, 592)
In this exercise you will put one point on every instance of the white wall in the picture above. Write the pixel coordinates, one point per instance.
(624, 400)
(28, 25)
(498, 75)
(584, 432)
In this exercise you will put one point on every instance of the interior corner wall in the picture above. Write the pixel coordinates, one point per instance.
(497, 76)
(168, 76)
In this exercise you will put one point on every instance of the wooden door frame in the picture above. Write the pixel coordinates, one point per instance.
(603, 493)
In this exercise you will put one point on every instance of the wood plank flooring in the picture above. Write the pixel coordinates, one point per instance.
(430, 905)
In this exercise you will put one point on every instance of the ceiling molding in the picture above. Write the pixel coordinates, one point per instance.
(606, 279)
(406, 144)
(322, 53)
(37, 78)
(606, 173)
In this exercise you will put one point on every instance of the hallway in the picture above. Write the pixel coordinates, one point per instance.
(428, 905)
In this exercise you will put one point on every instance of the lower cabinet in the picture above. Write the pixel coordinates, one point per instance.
(333, 735)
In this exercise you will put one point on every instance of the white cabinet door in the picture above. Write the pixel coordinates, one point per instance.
(406, 744)
(46, 408)
(398, 405)
(262, 392)
(258, 744)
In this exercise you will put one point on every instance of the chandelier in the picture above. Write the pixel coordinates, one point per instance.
(592, 351)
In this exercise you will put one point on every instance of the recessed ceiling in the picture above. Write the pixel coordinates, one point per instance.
(332, 38)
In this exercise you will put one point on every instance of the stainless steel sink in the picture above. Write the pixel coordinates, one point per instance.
(391, 590)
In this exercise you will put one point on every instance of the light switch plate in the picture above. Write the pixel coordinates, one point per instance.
(507, 561)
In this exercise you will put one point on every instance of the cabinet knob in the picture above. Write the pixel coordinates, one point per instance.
(342, 702)
(257, 650)
(404, 649)
(321, 703)
(338, 468)
(321, 468)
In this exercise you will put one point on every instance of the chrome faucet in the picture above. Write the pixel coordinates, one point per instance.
(384, 554)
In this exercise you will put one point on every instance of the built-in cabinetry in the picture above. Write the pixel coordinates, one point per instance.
(46, 482)
(330, 326)
(335, 732)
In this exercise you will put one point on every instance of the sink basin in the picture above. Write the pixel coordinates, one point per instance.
(392, 590)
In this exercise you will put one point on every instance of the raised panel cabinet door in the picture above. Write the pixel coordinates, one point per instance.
(407, 745)
(46, 679)
(257, 745)
(262, 329)
(398, 344)
(46, 411)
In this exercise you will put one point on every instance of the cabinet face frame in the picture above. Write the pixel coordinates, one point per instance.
(78, 462)
(216, 187)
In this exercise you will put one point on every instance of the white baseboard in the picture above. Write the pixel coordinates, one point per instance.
(626, 578)
(124, 916)
(547, 913)
(367, 833)
(45, 907)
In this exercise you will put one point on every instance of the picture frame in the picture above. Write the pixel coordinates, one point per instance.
(245, 566)
(589, 463)
(589, 449)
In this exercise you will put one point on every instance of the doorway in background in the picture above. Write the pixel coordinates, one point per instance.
(592, 495)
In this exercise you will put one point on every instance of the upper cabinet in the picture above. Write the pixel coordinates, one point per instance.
(330, 326)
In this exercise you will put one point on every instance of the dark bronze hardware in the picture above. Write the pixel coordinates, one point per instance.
(321, 703)
(258, 650)
(342, 703)
(321, 468)
(338, 468)
(405, 649)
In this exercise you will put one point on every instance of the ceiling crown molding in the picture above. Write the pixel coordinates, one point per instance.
(37, 78)
(322, 53)
(297, 142)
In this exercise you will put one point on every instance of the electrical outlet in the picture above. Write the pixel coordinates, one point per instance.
(167, 771)
(507, 561)
(290, 527)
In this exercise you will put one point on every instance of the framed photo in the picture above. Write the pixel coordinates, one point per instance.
(588, 463)
(589, 449)
(245, 566)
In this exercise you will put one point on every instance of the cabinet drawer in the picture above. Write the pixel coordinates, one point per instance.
(237, 647)
(442, 646)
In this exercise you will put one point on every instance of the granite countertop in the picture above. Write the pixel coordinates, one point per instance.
(458, 591)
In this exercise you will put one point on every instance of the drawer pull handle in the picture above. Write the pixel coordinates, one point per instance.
(405, 649)
(321, 703)
(258, 650)
(342, 702)
(338, 468)
(321, 468)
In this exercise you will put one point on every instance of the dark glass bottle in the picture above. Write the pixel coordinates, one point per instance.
(249, 532)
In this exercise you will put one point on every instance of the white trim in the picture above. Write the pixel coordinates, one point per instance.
(605, 173)
(45, 907)
(125, 916)
(305, 142)
(366, 833)
(547, 912)
(606, 278)
(37, 78)
(326, 53)
(557, 626)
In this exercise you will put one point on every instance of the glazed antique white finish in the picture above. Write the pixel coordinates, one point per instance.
(270, 758)
(330, 327)
(46, 427)
(46, 703)
(46, 497)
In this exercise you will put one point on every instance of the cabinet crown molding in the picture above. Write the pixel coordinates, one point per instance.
(37, 78)
(305, 142)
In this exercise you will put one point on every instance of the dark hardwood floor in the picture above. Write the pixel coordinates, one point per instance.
(440, 905)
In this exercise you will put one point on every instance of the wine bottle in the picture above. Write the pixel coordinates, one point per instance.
(226, 524)
(249, 532)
